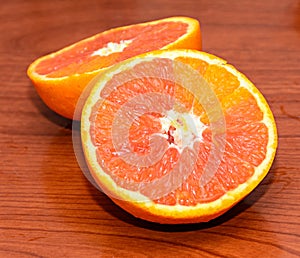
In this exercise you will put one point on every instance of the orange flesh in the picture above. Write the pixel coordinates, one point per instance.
(246, 136)
(79, 58)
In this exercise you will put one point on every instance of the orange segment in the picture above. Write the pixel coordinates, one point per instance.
(223, 82)
(140, 132)
(249, 143)
(61, 77)
(199, 65)
(241, 102)
(180, 186)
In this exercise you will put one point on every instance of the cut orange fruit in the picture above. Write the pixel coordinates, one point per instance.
(60, 77)
(177, 136)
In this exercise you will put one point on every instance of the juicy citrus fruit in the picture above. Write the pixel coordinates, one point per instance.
(60, 77)
(150, 128)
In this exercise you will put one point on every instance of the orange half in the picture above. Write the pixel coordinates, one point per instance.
(116, 151)
(60, 77)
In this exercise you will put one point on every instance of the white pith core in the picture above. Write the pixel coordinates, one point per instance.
(112, 47)
(187, 129)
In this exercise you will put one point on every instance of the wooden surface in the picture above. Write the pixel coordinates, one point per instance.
(49, 209)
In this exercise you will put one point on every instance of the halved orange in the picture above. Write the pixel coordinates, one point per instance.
(60, 77)
(177, 136)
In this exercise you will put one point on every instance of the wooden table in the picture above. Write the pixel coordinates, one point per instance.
(49, 209)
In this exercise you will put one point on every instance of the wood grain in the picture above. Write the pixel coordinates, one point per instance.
(49, 209)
